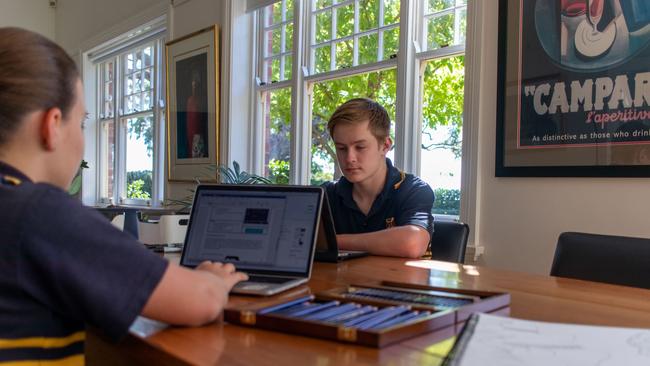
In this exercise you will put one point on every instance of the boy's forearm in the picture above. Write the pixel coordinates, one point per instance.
(408, 241)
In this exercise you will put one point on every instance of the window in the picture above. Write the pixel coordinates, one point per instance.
(275, 68)
(352, 48)
(130, 124)
(442, 66)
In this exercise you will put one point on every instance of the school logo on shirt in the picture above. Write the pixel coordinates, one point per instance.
(390, 222)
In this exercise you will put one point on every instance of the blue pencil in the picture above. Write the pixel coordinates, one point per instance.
(393, 310)
(351, 314)
(369, 323)
(403, 319)
(285, 305)
(332, 311)
(313, 309)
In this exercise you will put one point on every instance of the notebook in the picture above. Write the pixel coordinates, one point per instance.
(327, 249)
(268, 232)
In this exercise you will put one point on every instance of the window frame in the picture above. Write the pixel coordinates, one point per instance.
(116, 53)
(410, 62)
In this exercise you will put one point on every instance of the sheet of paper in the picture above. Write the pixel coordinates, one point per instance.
(496, 340)
(145, 327)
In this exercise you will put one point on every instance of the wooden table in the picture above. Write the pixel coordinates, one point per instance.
(533, 297)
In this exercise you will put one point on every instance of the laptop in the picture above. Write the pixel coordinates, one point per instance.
(268, 232)
(327, 248)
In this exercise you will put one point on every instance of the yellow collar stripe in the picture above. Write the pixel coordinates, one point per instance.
(76, 360)
(42, 342)
(402, 176)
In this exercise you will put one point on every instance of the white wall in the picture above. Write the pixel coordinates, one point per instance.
(35, 15)
(78, 21)
(519, 219)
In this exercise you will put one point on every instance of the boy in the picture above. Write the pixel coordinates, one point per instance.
(376, 207)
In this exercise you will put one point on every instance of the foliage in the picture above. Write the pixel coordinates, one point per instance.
(142, 128)
(135, 190)
(238, 176)
(75, 185)
(225, 175)
(447, 201)
(279, 171)
(139, 190)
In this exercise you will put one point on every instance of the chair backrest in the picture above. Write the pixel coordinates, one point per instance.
(603, 258)
(449, 241)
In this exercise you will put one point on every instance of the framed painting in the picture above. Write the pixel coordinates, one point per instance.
(192, 64)
(573, 88)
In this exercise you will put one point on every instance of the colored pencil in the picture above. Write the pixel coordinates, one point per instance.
(351, 314)
(312, 309)
(369, 323)
(403, 319)
(285, 305)
(328, 313)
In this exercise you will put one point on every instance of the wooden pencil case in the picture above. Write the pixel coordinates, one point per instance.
(415, 297)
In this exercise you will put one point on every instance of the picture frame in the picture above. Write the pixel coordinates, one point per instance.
(573, 89)
(192, 113)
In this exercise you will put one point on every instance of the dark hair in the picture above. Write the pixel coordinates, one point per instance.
(359, 110)
(35, 74)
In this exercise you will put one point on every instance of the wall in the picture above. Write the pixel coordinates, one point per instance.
(35, 15)
(82, 24)
(519, 219)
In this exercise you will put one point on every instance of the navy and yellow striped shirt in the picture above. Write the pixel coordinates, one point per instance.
(63, 266)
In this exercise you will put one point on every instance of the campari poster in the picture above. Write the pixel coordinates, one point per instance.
(574, 88)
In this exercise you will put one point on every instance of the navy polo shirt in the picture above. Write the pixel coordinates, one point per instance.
(62, 266)
(405, 200)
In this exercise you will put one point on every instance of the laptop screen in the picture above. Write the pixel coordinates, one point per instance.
(259, 228)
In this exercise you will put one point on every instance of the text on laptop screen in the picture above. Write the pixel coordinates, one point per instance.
(255, 230)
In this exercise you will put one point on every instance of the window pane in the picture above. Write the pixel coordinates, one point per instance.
(287, 67)
(276, 13)
(139, 157)
(368, 15)
(391, 43)
(108, 100)
(344, 54)
(108, 71)
(440, 32)
(277, 128)
(461, 18)
(323, 26)
(368, 49)
(289, 10)
(391, 12)
(288, 34)
(438, 5)
(107, 158)
(138, 60)
(147, 83)
(273, 43)
(137, 82)
(322, 59)
(128, 85)
(148, 59)
(319, 4)
(344, 21)
(275, 70)
(442, 121)
(130, 62)
(327, 96)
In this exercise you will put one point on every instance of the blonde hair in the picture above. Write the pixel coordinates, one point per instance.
(359, 110)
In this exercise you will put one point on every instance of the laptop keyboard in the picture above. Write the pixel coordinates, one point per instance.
(260, 279)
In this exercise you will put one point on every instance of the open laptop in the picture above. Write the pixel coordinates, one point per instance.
(327, 248)
(268, 232)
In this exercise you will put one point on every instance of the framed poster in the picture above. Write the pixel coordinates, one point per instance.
(193, 105)
(573, 88)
